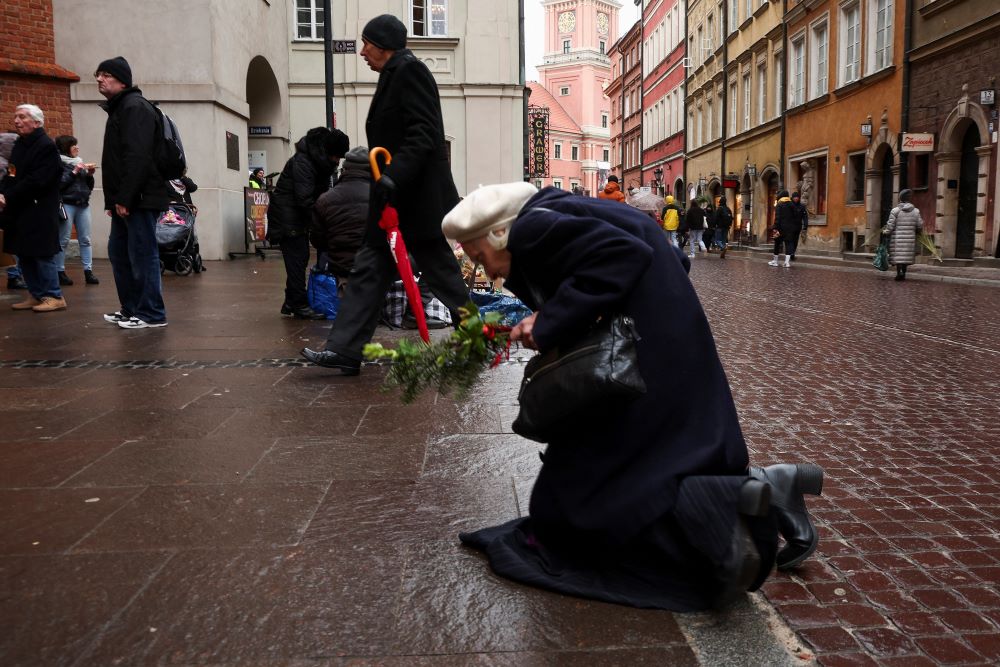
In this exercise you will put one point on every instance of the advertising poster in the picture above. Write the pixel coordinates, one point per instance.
(255, 203)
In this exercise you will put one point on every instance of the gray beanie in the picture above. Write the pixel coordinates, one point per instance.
(357, 154)
(904, 195)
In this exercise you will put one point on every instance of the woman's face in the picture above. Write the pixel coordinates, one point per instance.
(495, 262)
(74, 151)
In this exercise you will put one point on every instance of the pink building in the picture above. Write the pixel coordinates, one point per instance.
(663, 51)
(575, 72)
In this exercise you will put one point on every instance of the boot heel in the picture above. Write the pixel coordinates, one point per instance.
(809, 479)
(755, 498)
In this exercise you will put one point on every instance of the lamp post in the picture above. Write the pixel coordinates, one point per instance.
(658, 175)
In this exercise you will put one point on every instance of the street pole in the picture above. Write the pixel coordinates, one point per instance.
(328, 62)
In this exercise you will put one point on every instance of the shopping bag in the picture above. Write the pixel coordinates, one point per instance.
(322, 293)
(882, 257)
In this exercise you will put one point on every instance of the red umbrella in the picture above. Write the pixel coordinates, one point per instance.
(390, 223)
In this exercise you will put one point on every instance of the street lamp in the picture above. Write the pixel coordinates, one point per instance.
(658, 175)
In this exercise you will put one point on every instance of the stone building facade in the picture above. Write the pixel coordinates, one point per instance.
(955, 48)
(663, 94)
(29, 73)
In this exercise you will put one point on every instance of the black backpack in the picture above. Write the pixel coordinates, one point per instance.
(169, 151)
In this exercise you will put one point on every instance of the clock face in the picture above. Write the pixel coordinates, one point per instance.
(602, 23)
(567, 21)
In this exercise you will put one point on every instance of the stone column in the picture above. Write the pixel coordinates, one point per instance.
(946, 212)
(980, 247)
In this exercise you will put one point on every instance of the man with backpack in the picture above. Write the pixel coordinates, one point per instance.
(722, 221)
(135, 193)
(671, 216)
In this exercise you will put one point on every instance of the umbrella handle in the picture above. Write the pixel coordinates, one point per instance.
(373, 160)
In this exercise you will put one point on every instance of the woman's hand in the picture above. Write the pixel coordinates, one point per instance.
(522, 332)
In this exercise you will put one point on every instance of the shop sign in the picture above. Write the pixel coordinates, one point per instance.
(917, 142)
(255, 203)
(538, 138)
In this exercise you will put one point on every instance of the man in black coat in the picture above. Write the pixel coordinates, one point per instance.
(29, 201)
(803, 216)
(135, 193)
(405, 118)
(788, 223)
(305, 177)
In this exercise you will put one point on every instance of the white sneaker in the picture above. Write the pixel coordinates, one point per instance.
(773, 262)
(115, 317)
(136, 323)
(691, 255)
(788, 264)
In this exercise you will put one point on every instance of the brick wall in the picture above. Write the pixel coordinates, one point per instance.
(28, 71)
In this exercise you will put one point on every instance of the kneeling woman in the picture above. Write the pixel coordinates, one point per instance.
(649, 503)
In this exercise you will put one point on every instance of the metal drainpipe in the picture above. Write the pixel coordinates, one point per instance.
(725, 63)
(522, 78)
(684, 92)
(642, 83)
(904, 120)
(621, 109)
(784, 97)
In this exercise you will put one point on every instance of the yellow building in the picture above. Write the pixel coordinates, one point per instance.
(704, 102)
(754, 80)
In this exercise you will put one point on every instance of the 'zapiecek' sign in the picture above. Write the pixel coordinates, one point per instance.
(917, 142)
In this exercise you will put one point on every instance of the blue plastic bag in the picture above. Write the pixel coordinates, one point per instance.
(322, 293)
(513, 310)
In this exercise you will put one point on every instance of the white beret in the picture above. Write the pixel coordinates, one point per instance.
(486, 208)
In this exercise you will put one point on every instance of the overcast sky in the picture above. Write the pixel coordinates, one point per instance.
(534, 35)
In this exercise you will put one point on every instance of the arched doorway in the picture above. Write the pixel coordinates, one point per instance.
(267, 145)
(772, 185)
(679, 191)
(968, 189)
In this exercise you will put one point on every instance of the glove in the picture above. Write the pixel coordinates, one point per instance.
(385, 193)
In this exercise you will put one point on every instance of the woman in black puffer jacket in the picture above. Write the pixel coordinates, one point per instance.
(340, 214)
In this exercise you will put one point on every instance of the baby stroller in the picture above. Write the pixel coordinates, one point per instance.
(177, 241)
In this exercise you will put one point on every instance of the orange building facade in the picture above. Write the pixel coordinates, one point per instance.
(844, 65)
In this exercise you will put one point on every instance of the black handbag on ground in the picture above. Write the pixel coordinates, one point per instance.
(575, 381)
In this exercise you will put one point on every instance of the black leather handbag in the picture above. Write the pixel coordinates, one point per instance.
(576, 381)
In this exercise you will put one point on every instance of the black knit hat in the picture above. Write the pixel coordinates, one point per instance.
(386, 32)
(612, 179)
(336, 143)
(118, 68)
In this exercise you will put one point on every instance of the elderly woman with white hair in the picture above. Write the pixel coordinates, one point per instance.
(29, 201)
(651, 502)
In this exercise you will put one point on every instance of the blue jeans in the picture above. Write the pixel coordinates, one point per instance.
(135, 262)
(14, 271)
(78, 216)
(672, 237)
(721, 236)
(41, 276)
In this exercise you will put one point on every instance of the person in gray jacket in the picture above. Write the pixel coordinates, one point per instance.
(903, 226)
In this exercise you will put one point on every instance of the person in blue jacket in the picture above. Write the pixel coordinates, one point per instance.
(633, 504)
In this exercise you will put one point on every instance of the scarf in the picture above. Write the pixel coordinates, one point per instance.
(71, 161)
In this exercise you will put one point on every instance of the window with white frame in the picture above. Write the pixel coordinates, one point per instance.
(850, 43)
(761, 93)
(538, 183)
(734, 15)
(574, 153)
(603, 47)
(309, 19)
(819, 67)
(700, 120)
(573, 185)
(710, 31)
(693, 139)
(604, 119)
(566, 45)
(628, 107)
(746, 101)
(749, 9)
(733, 113)
(700, 46)
(607, 155)
(557, 184)
(722, 16)
(779, 83)
(797, 82)
(880, 26)
(557, 151)
(429, 18)
(856, 178)
(564, 91)
(710, 118)
(718, 115)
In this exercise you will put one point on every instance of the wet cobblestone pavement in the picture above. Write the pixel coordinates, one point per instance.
(194, 495)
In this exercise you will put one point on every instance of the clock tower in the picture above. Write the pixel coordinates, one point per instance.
(575, 70)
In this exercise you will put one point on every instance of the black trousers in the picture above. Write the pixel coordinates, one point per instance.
(374, 271)
(790, 243)
(295, 252)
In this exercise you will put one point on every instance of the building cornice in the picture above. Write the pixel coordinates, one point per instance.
(955, 39)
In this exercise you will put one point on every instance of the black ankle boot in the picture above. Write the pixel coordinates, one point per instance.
(788, 484)
(65, 280)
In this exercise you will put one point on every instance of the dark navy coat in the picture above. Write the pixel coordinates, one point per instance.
(31, 187)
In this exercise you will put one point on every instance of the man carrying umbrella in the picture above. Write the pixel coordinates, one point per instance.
(404, 118)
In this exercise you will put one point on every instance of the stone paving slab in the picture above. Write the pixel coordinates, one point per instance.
(197, 495)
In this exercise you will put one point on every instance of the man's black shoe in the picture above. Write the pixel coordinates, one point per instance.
(65, 280)
(17, 282)
(328, 359)
(301, 313)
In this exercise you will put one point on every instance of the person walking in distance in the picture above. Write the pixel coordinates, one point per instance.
(404, 118)
(74, 188)
(671, 219)
(723, 221)
(135, 193)
(612, 190)
(803, 217)
(787, 224)
(903, 226)
(695, 222)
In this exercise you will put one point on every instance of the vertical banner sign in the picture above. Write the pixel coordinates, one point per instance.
(538, 137)
(255, 203)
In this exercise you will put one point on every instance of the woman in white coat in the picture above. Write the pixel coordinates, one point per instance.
(903, 226)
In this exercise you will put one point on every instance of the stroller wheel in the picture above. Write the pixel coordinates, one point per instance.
(184, 265)
(198, 265)
(163, 269)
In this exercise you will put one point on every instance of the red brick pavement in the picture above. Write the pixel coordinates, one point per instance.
(893, 389)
